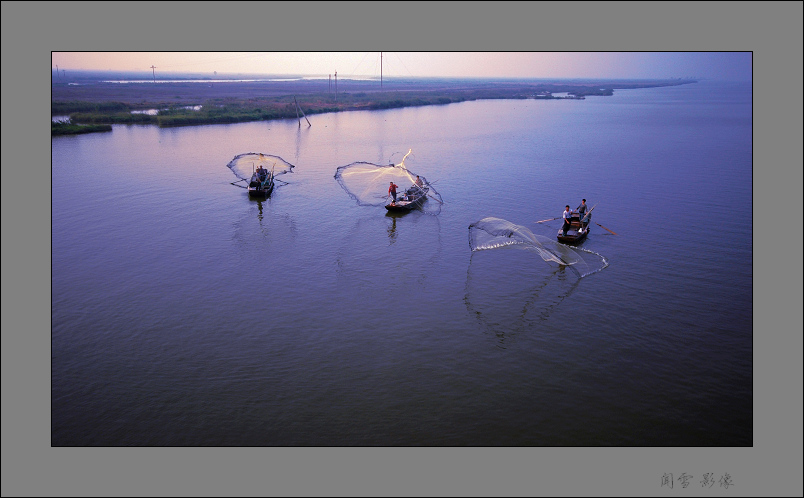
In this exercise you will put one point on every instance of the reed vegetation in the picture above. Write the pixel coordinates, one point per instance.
(57, 108)
(263, 108)
(68, 128)
(234, 110)
(99, 117)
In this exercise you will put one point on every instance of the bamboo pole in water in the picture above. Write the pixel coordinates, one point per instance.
(298, 107)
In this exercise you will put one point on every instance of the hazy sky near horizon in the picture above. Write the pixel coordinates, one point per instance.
(730, 66)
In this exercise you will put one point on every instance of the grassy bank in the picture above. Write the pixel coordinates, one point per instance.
(111, 118)
(75, 129)
(234, 110)
(242, 103)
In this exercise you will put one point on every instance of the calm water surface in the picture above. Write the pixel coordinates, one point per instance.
(184, 313)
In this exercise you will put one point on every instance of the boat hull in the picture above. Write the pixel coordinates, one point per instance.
(260, 189)
(412, 199)
(260, 192)
(571, 238)
(575, 233)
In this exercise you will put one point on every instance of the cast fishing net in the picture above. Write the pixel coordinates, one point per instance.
(243, 165)
(508, 295)
(491, 233)
(506, 292)
(367, 183)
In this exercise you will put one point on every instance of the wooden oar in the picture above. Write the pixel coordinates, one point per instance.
(585, 216)
(559, 217)
(427, 194)
(604, 228)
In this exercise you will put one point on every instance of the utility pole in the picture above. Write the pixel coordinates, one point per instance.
(153, 68)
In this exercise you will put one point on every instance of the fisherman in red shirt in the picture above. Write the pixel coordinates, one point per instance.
(392, 190)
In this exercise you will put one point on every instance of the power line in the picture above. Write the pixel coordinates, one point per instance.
(211, 61)
(403, 65)
(354, 71)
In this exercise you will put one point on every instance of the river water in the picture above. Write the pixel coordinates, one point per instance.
(186, 314)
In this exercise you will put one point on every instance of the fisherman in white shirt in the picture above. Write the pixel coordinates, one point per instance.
(567, 214)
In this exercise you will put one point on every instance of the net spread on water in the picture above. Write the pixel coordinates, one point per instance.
(506, 292)
(508, 295)
(244, 165)
(368, 184)
(491, 233)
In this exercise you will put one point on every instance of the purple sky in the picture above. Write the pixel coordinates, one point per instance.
(710, 65)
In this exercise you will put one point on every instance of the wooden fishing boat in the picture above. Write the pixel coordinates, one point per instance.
(578, 229)
(261, 184)
(576, 232)
(412, 198)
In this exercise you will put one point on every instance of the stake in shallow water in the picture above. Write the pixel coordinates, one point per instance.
(302, 111)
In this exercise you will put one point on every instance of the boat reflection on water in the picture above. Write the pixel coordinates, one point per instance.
(392, 230)
(273, 233)
(403, 247)
(259, 208)
(397, 214)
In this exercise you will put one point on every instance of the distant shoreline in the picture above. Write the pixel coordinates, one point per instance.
(94, 101)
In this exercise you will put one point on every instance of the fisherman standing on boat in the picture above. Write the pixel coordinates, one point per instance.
(392, 190)
(582, 212)
(418, 182)
(567, 215)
